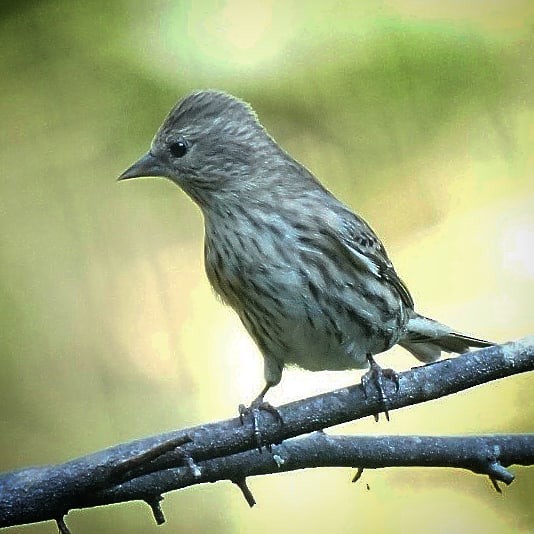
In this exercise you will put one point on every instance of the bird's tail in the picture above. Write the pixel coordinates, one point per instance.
(426, 339)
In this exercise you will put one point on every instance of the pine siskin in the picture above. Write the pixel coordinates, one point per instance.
(309, 279)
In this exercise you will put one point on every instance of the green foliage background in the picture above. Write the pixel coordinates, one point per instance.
(418, 114)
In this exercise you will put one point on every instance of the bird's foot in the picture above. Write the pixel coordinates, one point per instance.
(257, 406)
(377, 375)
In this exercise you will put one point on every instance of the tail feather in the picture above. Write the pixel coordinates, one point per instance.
(426, 339)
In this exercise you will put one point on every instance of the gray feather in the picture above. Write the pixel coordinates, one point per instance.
(426, 338)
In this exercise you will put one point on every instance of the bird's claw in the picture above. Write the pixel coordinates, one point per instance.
(254, 410)
(376, 375)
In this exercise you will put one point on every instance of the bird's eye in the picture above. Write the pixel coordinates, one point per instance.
(178, 148)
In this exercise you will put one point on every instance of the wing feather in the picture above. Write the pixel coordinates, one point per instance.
(366, 249)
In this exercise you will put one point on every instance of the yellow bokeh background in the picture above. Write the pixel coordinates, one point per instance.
(417, 114)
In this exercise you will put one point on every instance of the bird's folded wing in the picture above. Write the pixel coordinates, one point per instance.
(366, 250)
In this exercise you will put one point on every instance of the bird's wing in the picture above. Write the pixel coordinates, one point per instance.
(364, 247)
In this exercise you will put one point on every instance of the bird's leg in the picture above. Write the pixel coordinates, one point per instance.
(376, 375)
(257, 405)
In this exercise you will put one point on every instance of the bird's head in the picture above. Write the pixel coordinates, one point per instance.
(210, 141)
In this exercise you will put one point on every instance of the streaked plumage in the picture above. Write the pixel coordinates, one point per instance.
(310, 280)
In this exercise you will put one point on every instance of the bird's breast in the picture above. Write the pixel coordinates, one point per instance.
(299, 306)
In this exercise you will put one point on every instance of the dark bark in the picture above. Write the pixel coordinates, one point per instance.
(146, 468)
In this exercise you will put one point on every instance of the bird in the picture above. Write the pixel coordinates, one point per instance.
(309, 279)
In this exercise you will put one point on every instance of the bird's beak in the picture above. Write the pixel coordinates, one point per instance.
(148, 165)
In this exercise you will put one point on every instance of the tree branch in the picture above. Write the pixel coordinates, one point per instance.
(145, 468)
(488, 455)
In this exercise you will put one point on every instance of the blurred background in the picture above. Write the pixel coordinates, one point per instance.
(419, 115)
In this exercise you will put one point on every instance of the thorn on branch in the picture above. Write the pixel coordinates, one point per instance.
(278, 460)
(155, 506)
(241, 483)
(358, 475)
(62, 526)
(193, 467)
(498, 472)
